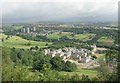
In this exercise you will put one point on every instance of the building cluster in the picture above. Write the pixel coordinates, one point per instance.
(82, 55)
(28, 30)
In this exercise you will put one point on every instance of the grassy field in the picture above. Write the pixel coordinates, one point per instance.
(90, 73)
(53, 36)
(59, 35)
(86, 36)
(106, 40)
(19, 42)
(2, 36)
(69, 35)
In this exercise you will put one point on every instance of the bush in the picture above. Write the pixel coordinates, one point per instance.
(57, 63)
(28, 44)
(69, 66)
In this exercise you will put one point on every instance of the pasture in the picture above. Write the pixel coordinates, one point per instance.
(19, 42)
(57, 35)
(3, 36)
(105, 40)
(84, 37)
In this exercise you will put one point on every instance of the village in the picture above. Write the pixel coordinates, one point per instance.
(83, 55)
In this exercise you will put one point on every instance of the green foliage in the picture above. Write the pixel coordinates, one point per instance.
(85, 78)
(69, 66)
(110, 56)
(13, 54)
(103, 71)
(57, 63)
(94, 57)
(75, 77)
(36, 47)
(28, 44)
(19, 55)
(38, 64)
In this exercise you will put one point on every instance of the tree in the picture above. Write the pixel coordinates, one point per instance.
(46, 44)
(103, 71)
(28, 44)
(24, 61)
(31, 48)
(38, 64)
(19, 55)
(36, 47)
(13, 54)
(2, 39)
(75, 78)
(57, 63)
(69, 66)
(94, 57)
(85, 78)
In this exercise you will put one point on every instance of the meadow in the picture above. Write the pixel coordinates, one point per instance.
(105, 40)
(58, 35)
(84, 37)
(19, 42)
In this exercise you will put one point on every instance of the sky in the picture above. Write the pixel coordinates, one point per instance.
(24, 11)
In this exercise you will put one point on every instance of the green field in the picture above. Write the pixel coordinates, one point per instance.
(90, 73)
(57, 35)
(2, 36)
(19, 42)
(86, 36)
(106, 40)
(53, 36)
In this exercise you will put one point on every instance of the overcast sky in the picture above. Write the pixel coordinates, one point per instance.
(15, 11)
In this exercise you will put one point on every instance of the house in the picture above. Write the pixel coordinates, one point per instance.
(66, 53)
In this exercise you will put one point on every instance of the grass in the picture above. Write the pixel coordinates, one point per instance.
(19, 42)
(106, 40)
(57, 35)
(99, 55)
(80, 72)
(53, 36)
(85, 36)
(3, 36)
(69, 35)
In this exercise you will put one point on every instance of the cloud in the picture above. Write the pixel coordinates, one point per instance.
(83, 10)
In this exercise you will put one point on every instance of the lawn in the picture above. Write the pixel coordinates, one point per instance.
(3, 36)
(106, 40)
(85, 36)
(57, 35)
(53, 36)
(80, 72)
(19, 42)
